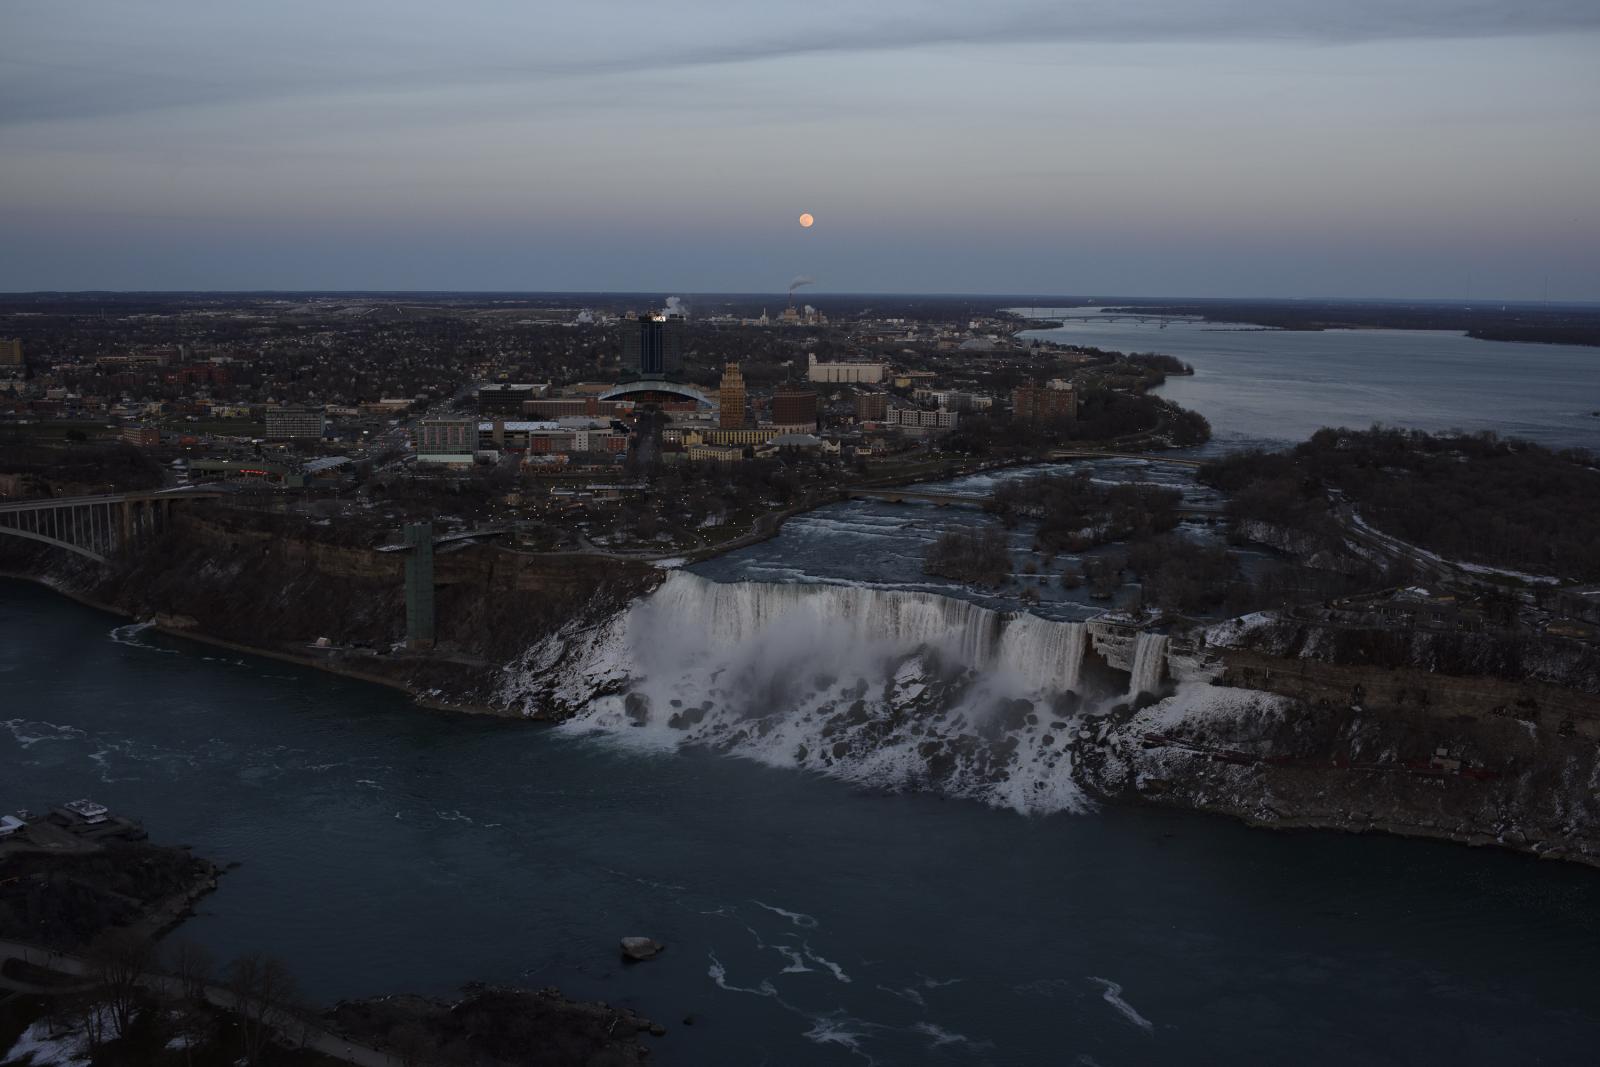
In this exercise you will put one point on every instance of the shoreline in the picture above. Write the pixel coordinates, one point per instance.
(1283, 824)
(1320, 824)
(420, 699)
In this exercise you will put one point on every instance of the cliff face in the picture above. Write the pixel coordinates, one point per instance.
(242, 578)
(1459, 736)
(1509, 656)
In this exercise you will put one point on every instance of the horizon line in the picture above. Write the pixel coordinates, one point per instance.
(1089, 298)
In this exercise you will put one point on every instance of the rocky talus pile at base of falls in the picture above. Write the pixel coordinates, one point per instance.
(910, 690)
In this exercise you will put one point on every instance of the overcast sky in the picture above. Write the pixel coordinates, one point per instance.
(1406, 148)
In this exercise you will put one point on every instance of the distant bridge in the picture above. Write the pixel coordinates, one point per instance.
(95, 526)
(1151, 457)
(960, 500)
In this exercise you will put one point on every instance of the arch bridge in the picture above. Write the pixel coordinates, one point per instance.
(95, 527)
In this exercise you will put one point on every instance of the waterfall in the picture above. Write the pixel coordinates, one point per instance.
(893, 689)
(1149, 662)
(1043, 653)
(1048, 655)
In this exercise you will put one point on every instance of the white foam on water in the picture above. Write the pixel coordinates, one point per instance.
(939, 1035)
(796, 964)
(838, 1028)
(129, 635)
(907, 994)
(719, 974)
(799, 918)
(837, 971)
(29, 732)
(1112, 995)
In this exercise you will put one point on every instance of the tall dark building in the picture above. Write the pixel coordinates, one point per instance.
(505, 399)
(794, 407)
(652, 346)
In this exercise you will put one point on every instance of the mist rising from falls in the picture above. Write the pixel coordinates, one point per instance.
(889, 688)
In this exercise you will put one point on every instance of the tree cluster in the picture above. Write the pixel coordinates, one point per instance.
(1075, 513)
(978, 557)
(1477, 498)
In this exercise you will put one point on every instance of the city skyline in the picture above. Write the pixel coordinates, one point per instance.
(1432, 149)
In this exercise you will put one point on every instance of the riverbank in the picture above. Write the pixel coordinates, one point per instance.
(69, 885)
(187, 633)
(518, 856)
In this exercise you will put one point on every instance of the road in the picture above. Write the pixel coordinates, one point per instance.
(316, 1037)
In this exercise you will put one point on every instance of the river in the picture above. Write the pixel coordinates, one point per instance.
(818, 920)
(1275, 387)
(386, 849)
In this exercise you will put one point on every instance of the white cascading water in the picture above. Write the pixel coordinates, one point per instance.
(891, 688)
(1046, 654)
(1149, 661)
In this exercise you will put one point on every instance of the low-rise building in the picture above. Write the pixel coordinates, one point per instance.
(141, 436)
(871, 373)
(704, 453)
(749, 435)
(920, 420)
(446, 436)
(1055, 402)
(872, 407)
(287, 423)
(508, 399)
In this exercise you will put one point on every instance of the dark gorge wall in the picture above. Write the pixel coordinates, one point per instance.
(1365, 731)
(257, 580)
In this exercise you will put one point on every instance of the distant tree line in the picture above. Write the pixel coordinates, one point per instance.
(1103, 415)
(1476, 498)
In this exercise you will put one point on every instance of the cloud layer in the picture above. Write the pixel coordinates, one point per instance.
(1173, 145)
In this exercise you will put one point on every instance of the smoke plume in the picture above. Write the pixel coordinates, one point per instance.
(800, 280)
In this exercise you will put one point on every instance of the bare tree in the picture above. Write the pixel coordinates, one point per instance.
(118, 961)
(93, 1016)
(191, 963)
(262, 989)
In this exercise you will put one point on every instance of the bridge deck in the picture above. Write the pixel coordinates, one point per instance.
(917, 496)
(45, 502)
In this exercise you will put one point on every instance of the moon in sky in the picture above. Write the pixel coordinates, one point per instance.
(806, 220)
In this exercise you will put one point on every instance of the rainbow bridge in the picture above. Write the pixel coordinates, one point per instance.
(96, 527)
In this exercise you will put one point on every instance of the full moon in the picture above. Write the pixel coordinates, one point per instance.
(806, 220)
